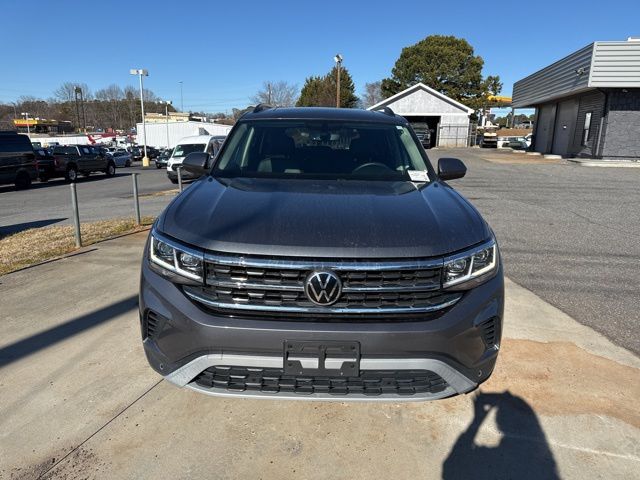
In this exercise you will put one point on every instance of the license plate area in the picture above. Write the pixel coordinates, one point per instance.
(327, 359)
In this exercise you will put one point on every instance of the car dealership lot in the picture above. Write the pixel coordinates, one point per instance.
(99, 198)
(570, 234)
(80, 401)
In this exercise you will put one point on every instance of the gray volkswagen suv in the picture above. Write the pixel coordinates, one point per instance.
(320, 256)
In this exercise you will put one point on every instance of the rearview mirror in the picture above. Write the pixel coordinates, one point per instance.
(451, 168)
(196, 163)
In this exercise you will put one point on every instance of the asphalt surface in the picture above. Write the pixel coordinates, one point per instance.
(99, 198)
(570, 234)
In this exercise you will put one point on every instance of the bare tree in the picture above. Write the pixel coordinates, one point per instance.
(372, 94)
(111, 105)
(278, 94)
(67, 91)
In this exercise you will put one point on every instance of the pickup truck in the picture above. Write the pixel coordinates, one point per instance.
(70, 160)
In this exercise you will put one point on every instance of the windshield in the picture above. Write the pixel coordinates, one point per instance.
(185, 149)
(321, 149)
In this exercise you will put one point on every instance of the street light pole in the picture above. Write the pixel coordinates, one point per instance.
(338, 60)
(142, 73)
(26, 119)
(166, 112)
(181, 99)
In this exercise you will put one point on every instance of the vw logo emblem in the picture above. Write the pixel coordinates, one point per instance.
(323, 288)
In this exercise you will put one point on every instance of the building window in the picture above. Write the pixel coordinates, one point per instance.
(587, 127)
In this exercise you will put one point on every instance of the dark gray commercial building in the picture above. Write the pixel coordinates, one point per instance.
(588, 103)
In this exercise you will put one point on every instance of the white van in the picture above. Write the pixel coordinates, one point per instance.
(198, 143)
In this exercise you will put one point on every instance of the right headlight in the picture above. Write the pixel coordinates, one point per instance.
(470, 265)
(175, 258)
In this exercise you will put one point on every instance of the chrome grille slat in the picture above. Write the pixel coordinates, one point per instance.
(278, 285)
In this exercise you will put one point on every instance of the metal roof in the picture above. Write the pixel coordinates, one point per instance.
(387, 102)
(598, 65)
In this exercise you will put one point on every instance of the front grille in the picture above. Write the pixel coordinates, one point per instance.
(278, 285)
(273, 380)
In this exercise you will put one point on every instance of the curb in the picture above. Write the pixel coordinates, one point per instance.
(604, 163)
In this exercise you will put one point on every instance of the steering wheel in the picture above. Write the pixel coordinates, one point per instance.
(372, 167)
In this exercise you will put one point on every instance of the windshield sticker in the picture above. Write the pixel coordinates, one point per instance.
(418, 175)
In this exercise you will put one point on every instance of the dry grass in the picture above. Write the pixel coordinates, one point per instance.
(19, 250)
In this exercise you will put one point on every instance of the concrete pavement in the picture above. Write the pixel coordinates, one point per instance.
(79, 400)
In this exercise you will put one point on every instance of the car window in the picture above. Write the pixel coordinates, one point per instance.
(321, 149)
(185, 149)
(15, 143)
(70, 150)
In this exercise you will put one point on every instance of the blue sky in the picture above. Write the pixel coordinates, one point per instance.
(223, 51)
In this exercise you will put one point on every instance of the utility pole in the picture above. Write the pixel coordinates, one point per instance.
(338, 60)
(141, 72)
(181, 99)
(77, 90)
(166, 112)
(26, 119)
(269, 94)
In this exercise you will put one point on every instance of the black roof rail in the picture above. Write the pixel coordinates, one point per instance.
(261, 107)
(387, 111)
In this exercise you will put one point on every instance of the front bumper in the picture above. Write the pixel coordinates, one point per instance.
(188, 339)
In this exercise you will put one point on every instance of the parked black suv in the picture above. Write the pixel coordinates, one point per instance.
(322, 257)
(17, 160)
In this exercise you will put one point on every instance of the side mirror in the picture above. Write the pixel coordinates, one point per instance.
(451, 168)
(196, 163)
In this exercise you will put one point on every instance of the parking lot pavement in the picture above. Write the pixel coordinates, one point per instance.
(570, 234)
(79, 400)
(99, 198)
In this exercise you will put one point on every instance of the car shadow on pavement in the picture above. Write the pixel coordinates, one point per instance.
(18, 227)
(44, 339)
(522, 453)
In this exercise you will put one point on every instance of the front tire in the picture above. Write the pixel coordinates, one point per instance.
(71, 175)
(174, 181)
(111, 169)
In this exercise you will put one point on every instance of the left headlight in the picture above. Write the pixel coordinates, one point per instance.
(470, 265)
(176, 258)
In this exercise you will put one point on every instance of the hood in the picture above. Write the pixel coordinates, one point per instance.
(311, 218)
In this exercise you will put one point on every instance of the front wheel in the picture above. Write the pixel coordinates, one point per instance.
(174, 180)
(72, 174)
(111, 169)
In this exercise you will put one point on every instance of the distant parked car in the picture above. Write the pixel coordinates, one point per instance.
(197, 143)
(512, 142)
(423, 133)
(85, 159)
(17, 160)
(162, 159)
(120, 156)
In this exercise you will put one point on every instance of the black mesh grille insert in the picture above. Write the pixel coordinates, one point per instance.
(370, 382)
(490, 332)
(152, 324)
